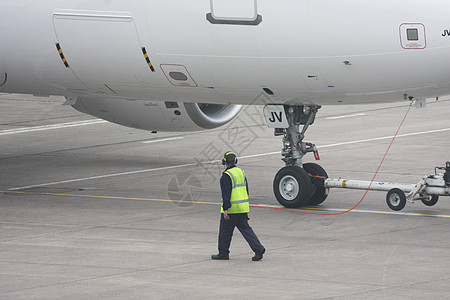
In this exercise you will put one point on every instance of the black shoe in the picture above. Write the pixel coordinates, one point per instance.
(259, 254)
(220, 256)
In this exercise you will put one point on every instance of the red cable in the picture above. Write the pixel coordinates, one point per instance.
(365, 194)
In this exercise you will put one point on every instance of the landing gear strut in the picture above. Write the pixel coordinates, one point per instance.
(296, 184)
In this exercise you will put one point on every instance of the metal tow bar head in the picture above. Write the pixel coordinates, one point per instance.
(447, 173)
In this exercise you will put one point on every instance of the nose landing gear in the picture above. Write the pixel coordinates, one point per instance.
(297, 184)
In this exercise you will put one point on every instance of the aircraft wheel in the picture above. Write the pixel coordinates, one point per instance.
(292, 187)
(430, 201)
(319, 192)
(396, 199)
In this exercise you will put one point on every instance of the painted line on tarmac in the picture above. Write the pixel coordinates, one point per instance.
(107, 197)
(396, 213)
(346, 116)
(102, 176)
(163, 140)
(51, 127)
(215, 161)
(385, 138)
(261, 206)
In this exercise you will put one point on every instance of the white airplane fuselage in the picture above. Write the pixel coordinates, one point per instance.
(177, 65)
(227, 51)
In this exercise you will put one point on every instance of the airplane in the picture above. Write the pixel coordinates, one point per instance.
(191, 65)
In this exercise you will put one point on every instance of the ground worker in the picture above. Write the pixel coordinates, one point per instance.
(235, 208)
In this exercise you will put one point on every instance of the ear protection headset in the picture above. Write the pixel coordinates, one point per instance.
(226, 159)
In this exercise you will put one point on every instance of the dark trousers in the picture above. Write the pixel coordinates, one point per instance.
(226, 232)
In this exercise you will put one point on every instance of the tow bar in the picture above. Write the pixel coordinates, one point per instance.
(427, 190)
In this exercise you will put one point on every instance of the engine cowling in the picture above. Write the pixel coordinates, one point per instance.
(3, 77)
(157, 116)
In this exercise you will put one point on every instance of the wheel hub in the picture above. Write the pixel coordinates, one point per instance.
(289, 187)
(394, 199)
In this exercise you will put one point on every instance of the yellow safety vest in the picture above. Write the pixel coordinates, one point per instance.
(239, 195)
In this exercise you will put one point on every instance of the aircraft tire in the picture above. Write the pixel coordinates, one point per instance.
(396, 199)
(292, 187)
(319, 194)
(434, 199)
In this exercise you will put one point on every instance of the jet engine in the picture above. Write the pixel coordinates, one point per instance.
(157, 116)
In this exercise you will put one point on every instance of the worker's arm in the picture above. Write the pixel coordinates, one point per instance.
(246, 185)
(225, 186)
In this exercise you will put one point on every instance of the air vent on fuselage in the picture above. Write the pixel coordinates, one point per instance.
(178, 75)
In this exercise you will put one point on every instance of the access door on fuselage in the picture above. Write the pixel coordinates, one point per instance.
(103, 50)
(413, 36)
(237, 12)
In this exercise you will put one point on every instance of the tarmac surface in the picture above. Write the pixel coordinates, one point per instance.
(93, 210)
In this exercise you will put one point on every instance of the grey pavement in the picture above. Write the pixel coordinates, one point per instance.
(100, 211)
